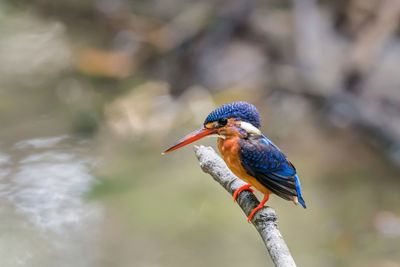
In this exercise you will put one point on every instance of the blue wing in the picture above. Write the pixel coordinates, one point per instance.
(263, 160)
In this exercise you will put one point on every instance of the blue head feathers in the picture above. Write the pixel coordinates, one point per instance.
(240, 110)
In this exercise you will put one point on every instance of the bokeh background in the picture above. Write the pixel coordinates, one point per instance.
(92, 91)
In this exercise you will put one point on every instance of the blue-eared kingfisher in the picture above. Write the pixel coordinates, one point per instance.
(248, 153)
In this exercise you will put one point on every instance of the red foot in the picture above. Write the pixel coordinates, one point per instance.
(242, 188)
(260, 206)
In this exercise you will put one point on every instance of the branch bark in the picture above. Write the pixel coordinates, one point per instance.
(265, 220)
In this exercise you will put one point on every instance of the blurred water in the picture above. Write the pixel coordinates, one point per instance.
(45, 219)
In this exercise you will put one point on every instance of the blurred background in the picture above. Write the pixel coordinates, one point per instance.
(92, 91)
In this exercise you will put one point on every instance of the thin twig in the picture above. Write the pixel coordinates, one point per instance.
(265, 220)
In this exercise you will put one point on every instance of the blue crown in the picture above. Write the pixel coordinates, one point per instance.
(240, 110)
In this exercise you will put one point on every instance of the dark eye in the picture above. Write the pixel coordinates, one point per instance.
(222, 121)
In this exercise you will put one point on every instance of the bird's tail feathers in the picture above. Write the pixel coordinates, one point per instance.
(298, 189)
(302, 202)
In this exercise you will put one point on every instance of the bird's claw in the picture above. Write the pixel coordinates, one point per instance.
(254, 212)
(260, 206)
(240, 189)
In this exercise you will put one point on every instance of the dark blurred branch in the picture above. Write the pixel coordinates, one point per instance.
(375, 120)
(370, 40)
(265, 220)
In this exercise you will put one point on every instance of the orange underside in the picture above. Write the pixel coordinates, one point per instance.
(229, 149)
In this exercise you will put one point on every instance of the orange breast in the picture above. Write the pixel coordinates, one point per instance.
(229, 149)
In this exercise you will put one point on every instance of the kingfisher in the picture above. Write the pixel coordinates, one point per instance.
(248, 153)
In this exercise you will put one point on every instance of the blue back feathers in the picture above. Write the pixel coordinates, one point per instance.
(240, 110)
(263, 160)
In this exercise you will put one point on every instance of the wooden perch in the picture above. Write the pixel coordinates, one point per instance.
(265, 220)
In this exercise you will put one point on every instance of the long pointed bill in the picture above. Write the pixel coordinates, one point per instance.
(190, 138)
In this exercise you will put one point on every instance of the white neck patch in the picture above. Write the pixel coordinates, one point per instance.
(250, 128)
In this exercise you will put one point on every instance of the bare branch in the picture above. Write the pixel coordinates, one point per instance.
(265, 220)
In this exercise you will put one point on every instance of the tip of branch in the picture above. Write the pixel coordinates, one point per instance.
(199, 150)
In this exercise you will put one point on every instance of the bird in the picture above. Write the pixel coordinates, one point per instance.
(248, 153)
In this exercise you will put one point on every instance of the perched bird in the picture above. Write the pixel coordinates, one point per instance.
(248, 153)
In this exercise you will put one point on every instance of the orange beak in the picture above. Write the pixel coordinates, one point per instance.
(190, 138)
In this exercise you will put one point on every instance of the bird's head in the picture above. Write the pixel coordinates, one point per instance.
(229, 120)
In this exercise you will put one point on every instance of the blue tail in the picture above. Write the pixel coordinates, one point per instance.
(298, 189)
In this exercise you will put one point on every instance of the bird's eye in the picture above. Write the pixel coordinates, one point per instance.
(222, 121)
